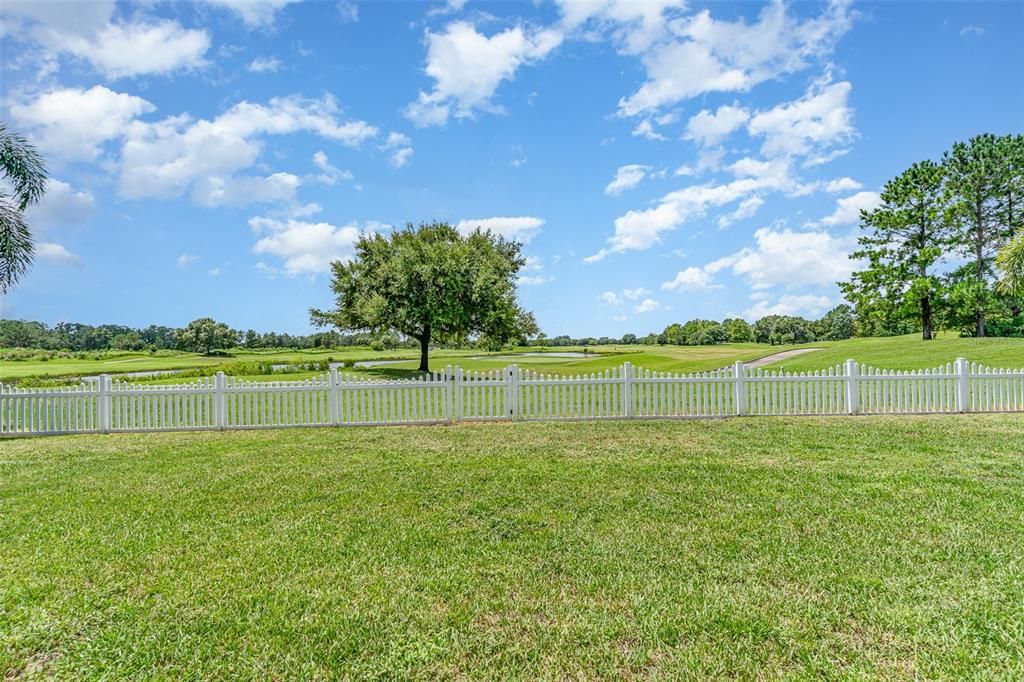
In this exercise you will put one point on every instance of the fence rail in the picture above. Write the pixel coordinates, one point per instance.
(454, 395)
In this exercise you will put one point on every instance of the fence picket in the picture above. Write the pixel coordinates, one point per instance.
(452, 395)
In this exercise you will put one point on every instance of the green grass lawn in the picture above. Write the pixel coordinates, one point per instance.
(749, 548)
(910, 352)
(900, 352)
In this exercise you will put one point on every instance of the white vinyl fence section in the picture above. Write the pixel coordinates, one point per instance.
(222, 402)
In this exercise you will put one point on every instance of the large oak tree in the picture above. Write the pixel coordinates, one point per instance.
(430, 283)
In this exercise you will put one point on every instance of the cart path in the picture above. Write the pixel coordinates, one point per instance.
(775, 357)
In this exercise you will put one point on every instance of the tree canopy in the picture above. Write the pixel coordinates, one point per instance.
(206, 335)
(431, 283)
(930, 247)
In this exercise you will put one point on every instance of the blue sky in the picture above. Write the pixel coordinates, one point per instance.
(661, 160)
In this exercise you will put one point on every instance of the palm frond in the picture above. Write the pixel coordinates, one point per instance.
(23, 166)
(16, 250)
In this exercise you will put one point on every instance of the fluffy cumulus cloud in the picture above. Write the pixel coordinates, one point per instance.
(61, 206)
(253, 13)
(468, 66)
(89, 31)
(819, 119)
(73, 123)
(58, 254)
(306, 248)
(848, 209)
(641, 229)
(166, 158)
(329, 174)
(689, 279)
(264, 65)
(842, 185)
(703, 55)
(532, 273)
(244, 190)
(707, 128)
(626, 177)
(805, 305)
(634, 26)
(521, 229)
(647, 305)
(779, 258)
(399, 148)
(785, 257)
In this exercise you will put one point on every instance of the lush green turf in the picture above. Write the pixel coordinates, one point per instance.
(901, 352)
(910, 352)
(847, 547)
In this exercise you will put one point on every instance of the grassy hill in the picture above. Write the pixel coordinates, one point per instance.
(749, 548)
(910, 352)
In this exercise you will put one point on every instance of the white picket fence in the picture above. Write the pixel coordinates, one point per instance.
(222, 402)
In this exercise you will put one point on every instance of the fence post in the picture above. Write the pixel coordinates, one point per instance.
(852, 387)
(333, 414)
(512, 392)
(219, 400)
(104, 404)
(456, 401)
(739, 373)
(627, 389)
(963, 386)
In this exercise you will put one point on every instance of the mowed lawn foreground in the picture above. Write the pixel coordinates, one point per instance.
(889, 547)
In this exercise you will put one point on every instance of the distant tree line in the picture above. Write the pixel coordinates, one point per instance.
(932, 247)
(204, 335)
(836, 324)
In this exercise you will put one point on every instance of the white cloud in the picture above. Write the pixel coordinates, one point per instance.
(400, 146)
(626, 177)
(184, 260)
(848, 208)
(639, 230)
(707, 55)
(647, 305)
(254, 13)
(264, 65)
(244, 190)
(819, 119)
(88, 31)
(806, 305)
(521, 229)
(532, 273)
(213, 272)
(163, 159)
(635, 294)
(329, 175)
(611, 298)
(306, 248)
(689, 279)
(747, 208)
(56, 253)
(468, 66)
(971, 31)
(73, 123)
(842, 185)
(634, 26)
(645, 129)
(790, 258)
(684, 171)
(707, 128)
(60, 206)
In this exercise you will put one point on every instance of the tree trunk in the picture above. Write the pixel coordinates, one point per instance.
(926, 318)
(425, 350)
(979, 252)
